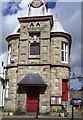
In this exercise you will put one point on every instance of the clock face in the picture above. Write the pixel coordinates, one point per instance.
(36, 3)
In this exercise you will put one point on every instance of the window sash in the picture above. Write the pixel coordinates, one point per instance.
(64, 52)
(9, 53)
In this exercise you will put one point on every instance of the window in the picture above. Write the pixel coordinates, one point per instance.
(55, 100)
(35, 49)
(32, 34)
(9, 53)
(7, 88)
(64, 52)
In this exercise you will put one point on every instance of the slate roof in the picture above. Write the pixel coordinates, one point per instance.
(32, 79)
(57, 27)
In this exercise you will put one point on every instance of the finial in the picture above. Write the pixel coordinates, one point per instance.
(29, 9)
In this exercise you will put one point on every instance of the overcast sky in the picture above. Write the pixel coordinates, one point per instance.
(69, 15)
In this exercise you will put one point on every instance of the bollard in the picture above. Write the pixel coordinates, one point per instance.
(72, 113)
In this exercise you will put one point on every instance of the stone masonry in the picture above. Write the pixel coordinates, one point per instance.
(48, 63)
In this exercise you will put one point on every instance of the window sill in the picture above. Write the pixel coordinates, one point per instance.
(8, 98)
(34, 56)
(30, 58)
(64, 62)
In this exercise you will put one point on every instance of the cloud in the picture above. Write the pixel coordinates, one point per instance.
(75, 84)
(9, 23)
(0, 28)
(51, 5)
(69, 14)
(69, 0)
(70, 17)
(12, 8)
(24, 3)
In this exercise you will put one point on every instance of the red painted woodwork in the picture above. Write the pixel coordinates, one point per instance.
(64, 90)
(33, 99)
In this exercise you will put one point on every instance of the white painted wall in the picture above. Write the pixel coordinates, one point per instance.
(1, 93)
(2, 90)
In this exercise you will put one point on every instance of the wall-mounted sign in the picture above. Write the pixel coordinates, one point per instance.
(55, 100)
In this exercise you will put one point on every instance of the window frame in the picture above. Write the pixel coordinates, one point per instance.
(7, 89)
(55, 101)
(64, 52)
(35, 48)
(9, 54)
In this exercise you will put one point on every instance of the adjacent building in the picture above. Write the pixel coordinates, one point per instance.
(38, 68)
(2, 91)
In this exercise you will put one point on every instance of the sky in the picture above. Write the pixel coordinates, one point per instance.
(69, 15)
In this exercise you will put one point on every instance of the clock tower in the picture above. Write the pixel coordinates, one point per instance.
(37, 8)
(37, 3)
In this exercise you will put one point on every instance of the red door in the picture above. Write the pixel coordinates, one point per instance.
(32, 99)
(64, 90)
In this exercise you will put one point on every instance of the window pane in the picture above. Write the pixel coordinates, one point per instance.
(65, 47)
(62, 55)
(66, 56)
(34, 49)
(9, 53)
(62, 46)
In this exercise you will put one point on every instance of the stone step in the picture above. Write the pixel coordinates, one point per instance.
(31, 113)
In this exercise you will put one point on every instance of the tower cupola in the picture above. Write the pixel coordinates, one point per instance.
(37, 8)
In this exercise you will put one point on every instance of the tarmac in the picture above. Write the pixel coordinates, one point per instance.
(21, 117)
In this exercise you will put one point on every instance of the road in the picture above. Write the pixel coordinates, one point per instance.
(39, 118)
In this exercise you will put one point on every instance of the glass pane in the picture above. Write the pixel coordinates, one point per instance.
(53, 100)
(65, 47)
(62, 55)
(59, 100)
(35, 49)
(65, 56)
(62, 46)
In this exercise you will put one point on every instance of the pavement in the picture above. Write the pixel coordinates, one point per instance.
(39, 117)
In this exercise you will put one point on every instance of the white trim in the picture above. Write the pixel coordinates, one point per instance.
(65, 52)
(7, 89)
(9, 54)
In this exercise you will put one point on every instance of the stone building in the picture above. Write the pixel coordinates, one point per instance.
(2, 91)
(38, 68)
